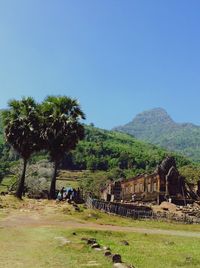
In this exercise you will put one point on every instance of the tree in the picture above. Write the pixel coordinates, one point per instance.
(61, 130)
(22, 124)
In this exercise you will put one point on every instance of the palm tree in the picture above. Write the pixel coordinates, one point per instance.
(61, 130)
(21, 129)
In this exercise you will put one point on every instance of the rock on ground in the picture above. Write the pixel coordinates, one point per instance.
(116, 258)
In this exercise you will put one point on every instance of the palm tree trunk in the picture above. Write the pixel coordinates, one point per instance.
(20, 188)
(52, 194)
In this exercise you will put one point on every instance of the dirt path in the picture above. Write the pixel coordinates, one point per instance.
(24, 219)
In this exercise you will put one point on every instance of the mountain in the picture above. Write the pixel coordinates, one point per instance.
(157, 127)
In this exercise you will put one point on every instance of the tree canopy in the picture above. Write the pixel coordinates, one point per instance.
(21, 121)
(61, 129)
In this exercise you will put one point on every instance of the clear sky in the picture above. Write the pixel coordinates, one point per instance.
(118, 57)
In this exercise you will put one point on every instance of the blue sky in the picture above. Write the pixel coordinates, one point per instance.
(117, 57)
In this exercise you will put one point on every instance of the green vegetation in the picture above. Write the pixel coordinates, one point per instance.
(6, 156)
(105, 150)
(22, 132)
(156, 126)
(191, 172)
(7, 182)
(61, 130)
(4, 169)
(153, 250)
(52, 126)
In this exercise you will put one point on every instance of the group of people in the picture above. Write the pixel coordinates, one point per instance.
(68, 193)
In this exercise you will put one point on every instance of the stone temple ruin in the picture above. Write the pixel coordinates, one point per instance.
(165, 184)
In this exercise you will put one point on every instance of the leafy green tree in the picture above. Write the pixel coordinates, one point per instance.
(22, 124)
(191, 172)
(61, 130)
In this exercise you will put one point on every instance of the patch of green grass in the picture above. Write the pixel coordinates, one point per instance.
(67, 183)
(41, 247)
(69, 178)
(7, 182)
(151, 250)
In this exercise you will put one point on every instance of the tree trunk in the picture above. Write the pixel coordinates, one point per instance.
(52, 194)
(20, 188)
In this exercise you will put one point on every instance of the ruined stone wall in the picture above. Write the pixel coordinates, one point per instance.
(143, 187)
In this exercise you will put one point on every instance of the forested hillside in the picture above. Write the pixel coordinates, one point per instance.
(157, 127)
(105, 150)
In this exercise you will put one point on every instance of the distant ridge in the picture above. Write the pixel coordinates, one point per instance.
(157, 127)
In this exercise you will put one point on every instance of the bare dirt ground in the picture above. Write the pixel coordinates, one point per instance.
(45, 214)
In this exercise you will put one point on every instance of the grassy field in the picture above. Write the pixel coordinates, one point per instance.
(43, 247)
(114, 220)
(40, 234)
(69, 178)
